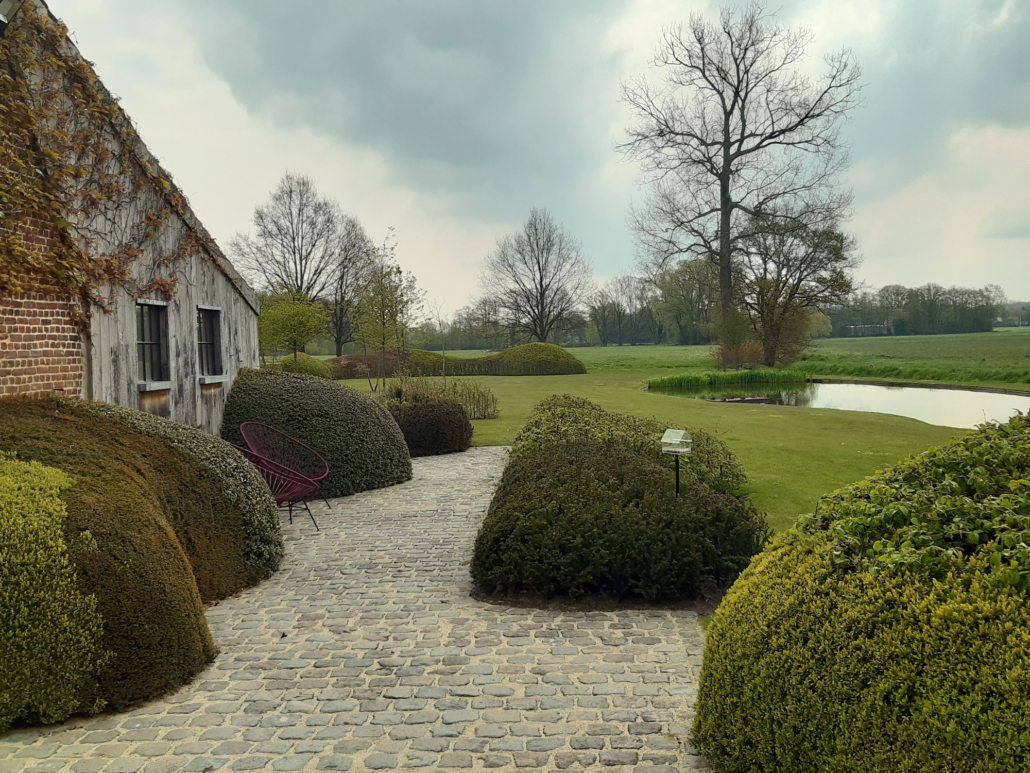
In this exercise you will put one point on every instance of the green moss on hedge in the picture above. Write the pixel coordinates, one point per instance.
(358, 438)
(164, 533)
(566, 417)
(590, 516)
(432, 427)
(888, 632)
(51, 648)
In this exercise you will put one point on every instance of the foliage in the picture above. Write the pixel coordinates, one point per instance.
(968, 498)
(52, 643)
(289, 323)
(431, 426)
(808, 669)
(160, 519)
(787, 272)
(535, 359)
(927, 310)
(728, 378)
(389, 305)
(303, 363)
(357, 437)
(477, 400)
(563, 418)
(889, 631)
(589, 516)
(71, 158)
(235, 477)
(688, 294)
(748, 355)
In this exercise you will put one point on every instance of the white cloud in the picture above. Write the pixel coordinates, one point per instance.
(967, 223)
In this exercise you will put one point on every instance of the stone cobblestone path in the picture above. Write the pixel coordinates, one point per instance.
(366, 653)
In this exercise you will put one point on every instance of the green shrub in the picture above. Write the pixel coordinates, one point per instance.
(51, 648)
(564, 417)
(241, 484)
(808, 670)
(729, 378)
(432, 427)
(477, 400)
(357, 437)
(160, 519)
(890, 631)
(535, 359)
(306, 364)
(588, 516)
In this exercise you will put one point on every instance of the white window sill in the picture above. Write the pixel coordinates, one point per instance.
(154, 386)
(212, 379)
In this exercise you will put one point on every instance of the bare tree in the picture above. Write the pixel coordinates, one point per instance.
(736, 131)
(350, 276)
(786, 274)
(297, 241)
(538, 276)
(602, 314)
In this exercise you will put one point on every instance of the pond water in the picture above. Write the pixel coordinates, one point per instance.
(946, 407)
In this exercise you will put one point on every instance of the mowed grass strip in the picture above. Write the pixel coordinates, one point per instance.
(792, 455)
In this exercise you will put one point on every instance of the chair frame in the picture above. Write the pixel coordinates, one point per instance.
(287, 486)
(308, 463)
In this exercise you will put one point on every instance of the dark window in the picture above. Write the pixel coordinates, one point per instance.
(152, 342)
(209, 341)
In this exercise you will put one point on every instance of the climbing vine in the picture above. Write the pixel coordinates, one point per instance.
(73, 166)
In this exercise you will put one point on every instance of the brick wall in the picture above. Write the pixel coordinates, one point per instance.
(40, 342)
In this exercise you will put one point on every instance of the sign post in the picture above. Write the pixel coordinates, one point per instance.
(677, 443)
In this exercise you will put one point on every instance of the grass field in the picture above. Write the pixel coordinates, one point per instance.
(792, 455)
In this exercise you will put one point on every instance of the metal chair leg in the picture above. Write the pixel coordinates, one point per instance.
(312, 516)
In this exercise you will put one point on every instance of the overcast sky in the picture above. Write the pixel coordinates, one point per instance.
(450, 119)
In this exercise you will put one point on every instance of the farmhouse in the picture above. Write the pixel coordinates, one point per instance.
(110, 287)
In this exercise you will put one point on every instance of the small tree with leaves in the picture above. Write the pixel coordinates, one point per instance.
(290, 323)
(390, 305)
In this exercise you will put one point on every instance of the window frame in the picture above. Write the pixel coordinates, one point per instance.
(210, 364)
(153, 360)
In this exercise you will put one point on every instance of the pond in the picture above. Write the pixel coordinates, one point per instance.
(935, 405)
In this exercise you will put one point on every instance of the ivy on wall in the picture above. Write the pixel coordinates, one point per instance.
(71, 162)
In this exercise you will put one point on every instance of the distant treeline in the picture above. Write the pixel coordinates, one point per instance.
(927, 310)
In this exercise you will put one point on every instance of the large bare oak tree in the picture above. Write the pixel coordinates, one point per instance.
(538, 276)
(735, 134)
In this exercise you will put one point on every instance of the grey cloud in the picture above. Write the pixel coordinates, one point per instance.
(505, 105)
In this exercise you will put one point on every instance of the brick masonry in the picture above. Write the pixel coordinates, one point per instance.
(40, 341)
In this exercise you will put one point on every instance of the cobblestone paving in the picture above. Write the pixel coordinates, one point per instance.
(366, 653)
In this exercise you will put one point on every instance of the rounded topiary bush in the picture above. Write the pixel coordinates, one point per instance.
(537, 359)
(159, 519)
(566, 417)
(51, 649)
(890, 631)
(588, 516)
(305, 363)
(357, 437)
(432, 427)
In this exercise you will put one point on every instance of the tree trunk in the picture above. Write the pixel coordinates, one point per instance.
(725, 255)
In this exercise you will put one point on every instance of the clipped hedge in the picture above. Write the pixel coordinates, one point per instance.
(357, 437)
(160, 519)
(51, 649)
(589, 516)
(535, 359)
(432, 427)
(305, 363)
(890, 631)
(566, 417)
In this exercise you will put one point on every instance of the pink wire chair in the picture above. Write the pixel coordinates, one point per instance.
(286, 485)
(285, 450)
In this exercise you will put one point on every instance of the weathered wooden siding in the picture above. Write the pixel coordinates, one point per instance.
(114, 367)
